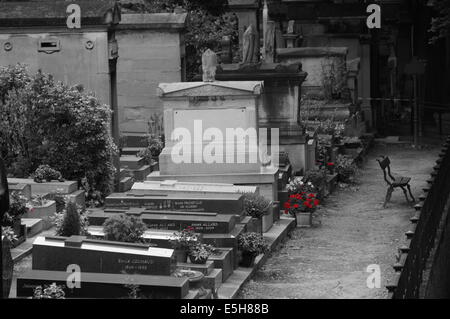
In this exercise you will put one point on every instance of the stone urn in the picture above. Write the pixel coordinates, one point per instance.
(247, 259)
(8, 267)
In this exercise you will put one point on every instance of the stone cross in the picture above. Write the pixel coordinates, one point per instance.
(209, 66)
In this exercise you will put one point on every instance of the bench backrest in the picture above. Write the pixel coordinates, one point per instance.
(385, 164)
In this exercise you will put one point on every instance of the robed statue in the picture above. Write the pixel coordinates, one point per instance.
(250, 50)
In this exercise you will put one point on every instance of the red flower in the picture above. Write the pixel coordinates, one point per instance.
(296, 206)
(330, 164)
(316, 202)
(287, 205)
(311, 195)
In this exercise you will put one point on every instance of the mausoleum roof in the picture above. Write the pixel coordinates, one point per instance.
(210, 88)
(53, 13)
(154, 20)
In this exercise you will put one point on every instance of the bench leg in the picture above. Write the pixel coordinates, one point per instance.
(410, 194)
(388, 196)
(406, 194)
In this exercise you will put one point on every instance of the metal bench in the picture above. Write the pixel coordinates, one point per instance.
(395, 182)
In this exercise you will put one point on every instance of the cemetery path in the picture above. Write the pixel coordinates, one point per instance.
(351, 231)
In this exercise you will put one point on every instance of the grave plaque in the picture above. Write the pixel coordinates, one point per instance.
(170, 220)
(99, 256)
(223, 204)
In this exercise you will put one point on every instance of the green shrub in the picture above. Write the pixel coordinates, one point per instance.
(124, 228)
(44, 122)
(72, 221)
(255, 205)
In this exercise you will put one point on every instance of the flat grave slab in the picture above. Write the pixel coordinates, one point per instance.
(99, 256)
(23, 189)
(203, 268)
(173, 220)
(99, 285)
(66, 187)
(231, 204)
(131, 161)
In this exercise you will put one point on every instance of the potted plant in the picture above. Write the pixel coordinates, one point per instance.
(182, 241)
(52, 291)
(256, 206)
(251, 245)
(345, 168)
(199, 253)
(8, 237)
(302, 206)
(318, 177)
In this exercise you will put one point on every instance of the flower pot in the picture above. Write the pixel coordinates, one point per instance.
(8, 267)
(181, 255)
(304, 219)
(199, 261)
(247, 259)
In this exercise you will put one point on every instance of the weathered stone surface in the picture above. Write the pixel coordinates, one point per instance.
(66, 187)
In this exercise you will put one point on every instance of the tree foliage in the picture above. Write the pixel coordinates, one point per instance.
(47, 122)
(440, 25)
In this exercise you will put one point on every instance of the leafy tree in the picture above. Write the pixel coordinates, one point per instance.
(43, 121)
(440, 25)
(206, 25)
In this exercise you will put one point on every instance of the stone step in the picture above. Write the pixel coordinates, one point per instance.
(34, 226)
(131, 162)
(135, 140)
(131, 150)
(139, 174)
(125, 184)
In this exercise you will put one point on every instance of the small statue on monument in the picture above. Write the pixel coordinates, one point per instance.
(209, 66)
(250, 50)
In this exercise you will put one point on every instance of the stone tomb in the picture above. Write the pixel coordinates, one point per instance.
(172, 220)
(231, 204)
(97, 285)
(99, 256)
(229, 109)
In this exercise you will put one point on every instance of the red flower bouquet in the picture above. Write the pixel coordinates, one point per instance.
(303, 202)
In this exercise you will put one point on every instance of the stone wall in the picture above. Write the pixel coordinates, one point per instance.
(73, 63)
(151, 51)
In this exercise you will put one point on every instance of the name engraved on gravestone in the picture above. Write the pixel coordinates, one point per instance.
(128, 264)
